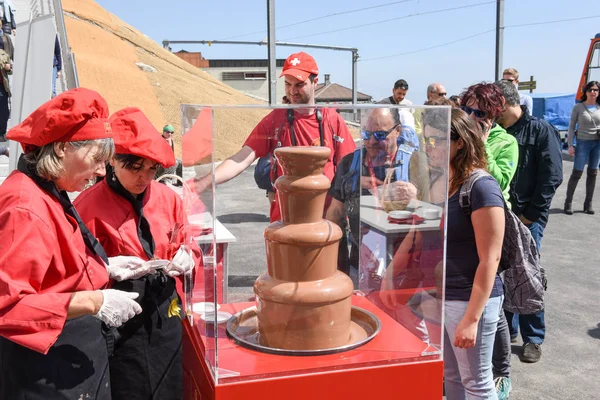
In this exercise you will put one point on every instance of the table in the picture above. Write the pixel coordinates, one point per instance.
(373, 215)
(382, 234)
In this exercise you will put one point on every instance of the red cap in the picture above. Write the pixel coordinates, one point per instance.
(72, 116)
(300, 66)
(135, 134)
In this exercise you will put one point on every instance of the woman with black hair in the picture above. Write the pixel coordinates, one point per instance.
(585, 125)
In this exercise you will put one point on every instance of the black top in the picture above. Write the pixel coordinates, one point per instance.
(539, 172)
(461, 251)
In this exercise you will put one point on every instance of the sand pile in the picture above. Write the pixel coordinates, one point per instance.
(106, 52)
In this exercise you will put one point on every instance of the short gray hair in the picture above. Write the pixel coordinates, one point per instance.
(510, 92)
(50, 167)
(432, 88)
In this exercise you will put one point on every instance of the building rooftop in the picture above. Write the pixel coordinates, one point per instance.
(333, 92)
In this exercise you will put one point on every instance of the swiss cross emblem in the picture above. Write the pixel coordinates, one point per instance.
(295, 61)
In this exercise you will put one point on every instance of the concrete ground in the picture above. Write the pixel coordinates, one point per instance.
(570, 364)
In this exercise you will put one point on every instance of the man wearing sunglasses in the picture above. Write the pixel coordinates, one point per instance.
(403, 115)
(512, 75)
(435, 91)
(385, 145)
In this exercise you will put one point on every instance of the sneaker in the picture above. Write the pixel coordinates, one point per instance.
(503, 387)
(531, 353)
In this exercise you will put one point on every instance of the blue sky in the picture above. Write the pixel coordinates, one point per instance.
(553, 53)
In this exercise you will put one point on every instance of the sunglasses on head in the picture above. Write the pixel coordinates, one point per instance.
(469, 110)
(379, 135)
(403, 87)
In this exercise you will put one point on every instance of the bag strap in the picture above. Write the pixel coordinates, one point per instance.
(586, 109)
(318, 115)
(464, 197)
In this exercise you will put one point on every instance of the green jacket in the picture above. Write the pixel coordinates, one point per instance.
(503, 156)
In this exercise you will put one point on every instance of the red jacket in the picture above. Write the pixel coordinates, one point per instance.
(112, 219)
(43, 260)
(274, 130)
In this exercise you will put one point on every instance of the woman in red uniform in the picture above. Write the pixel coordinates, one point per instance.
(52, 274)
(139, 219)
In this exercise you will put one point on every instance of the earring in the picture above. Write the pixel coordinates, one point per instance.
(114, 178)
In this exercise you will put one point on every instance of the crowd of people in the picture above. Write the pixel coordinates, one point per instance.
(102, 284)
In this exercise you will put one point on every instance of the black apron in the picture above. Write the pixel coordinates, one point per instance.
(147, 360)
(76, 367)
(77, 364)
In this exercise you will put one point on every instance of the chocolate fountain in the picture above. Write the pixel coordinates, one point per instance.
(303, 303)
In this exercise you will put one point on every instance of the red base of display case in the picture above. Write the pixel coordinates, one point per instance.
(394, 364)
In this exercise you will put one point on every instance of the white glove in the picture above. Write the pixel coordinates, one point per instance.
(118, 307)
(122, 268)
(180, 264)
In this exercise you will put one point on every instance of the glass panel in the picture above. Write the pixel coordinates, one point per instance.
(402, 236)
(198, 197)
(299, 296)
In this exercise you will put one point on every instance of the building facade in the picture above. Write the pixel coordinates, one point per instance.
(247, 76)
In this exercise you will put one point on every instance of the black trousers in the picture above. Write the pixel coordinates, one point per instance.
(146, 363)
(76, 367)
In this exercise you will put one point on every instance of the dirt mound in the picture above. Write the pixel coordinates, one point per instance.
(106, 52)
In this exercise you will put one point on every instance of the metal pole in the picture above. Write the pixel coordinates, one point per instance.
(354, 81)
(271, 45)
(262, 43)
(499, 37)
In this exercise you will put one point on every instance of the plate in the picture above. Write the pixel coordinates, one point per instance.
(400, 214)
(204, 307)
(156, 264)
(221, 316)
(430, 213)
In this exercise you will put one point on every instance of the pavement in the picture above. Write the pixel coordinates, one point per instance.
(570, 364)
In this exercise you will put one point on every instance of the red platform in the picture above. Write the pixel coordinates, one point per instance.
(395, 364)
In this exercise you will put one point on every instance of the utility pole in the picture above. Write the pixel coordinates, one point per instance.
(499, 37)
(271, 46)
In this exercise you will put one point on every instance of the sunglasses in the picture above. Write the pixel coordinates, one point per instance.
(592, 90)
(469, 110)
(442, 94)
(379, 135)
(509, 80)
(169, 132)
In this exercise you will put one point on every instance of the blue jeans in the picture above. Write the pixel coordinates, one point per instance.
(533, 326)
(468, 372)
(587, 152)
(54, 73)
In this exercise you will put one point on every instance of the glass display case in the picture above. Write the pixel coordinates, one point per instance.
(334, 265)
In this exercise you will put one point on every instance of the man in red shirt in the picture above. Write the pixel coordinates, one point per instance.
(292, 127)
